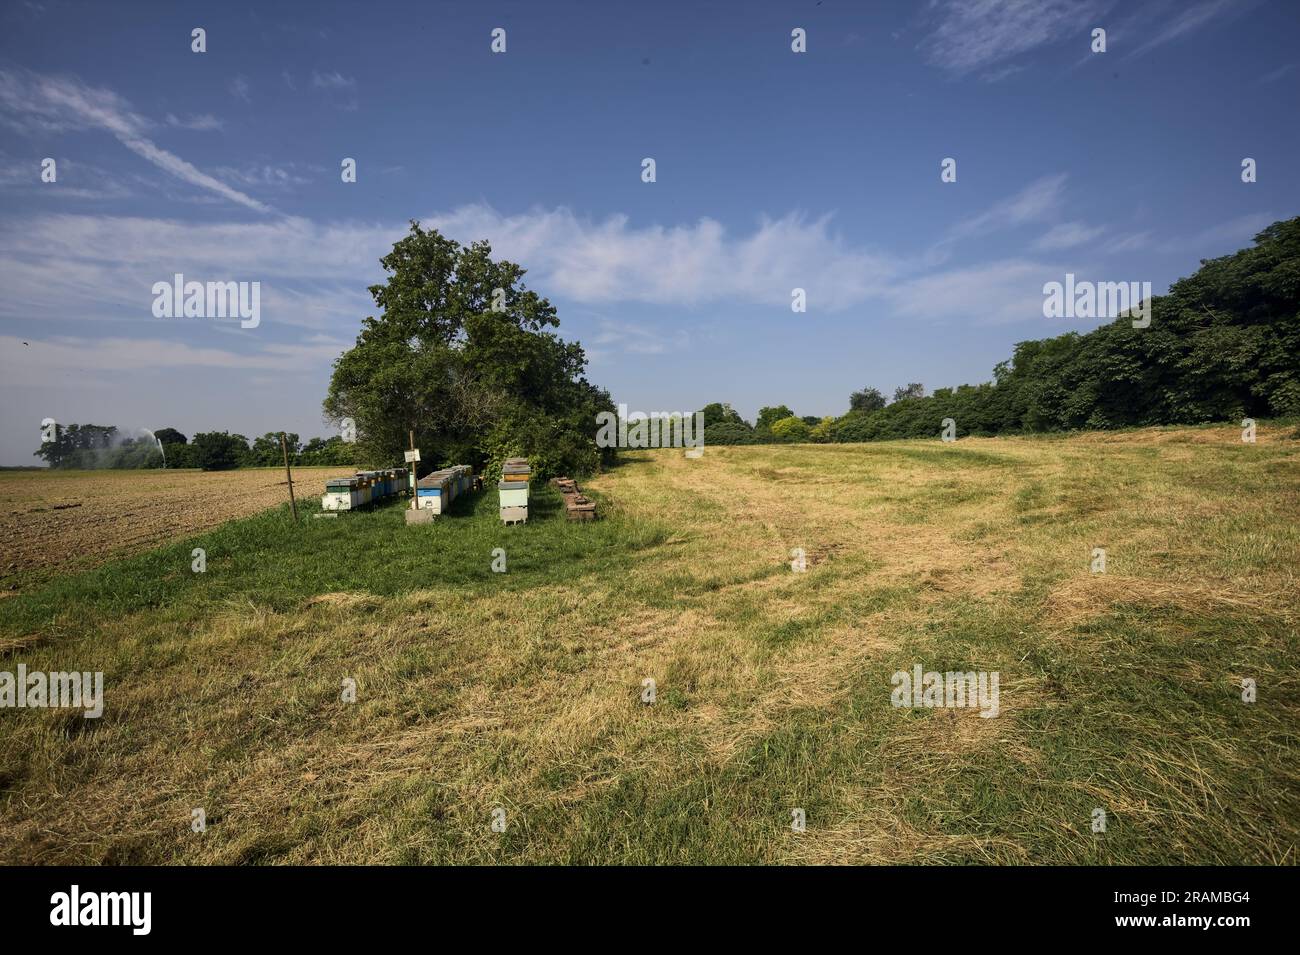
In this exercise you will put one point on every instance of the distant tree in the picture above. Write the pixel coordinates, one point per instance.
(821, 432)
(327, 451)
(127, 453)
(78, 446)
(167, 436)
(266, 451)
(868, 399)
(792, 429)
(768, 416)
(220, 450)
(181, 455)
(913, 390)
(726, 432)
(720, 412)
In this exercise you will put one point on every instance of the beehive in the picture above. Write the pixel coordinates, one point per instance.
(516, 469)
(513, 493)
(434, 491)
(340, 494)
(578, 507)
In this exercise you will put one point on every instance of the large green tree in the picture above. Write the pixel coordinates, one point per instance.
(462, 354)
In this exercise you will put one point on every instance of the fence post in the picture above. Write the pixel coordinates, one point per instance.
(293, 505)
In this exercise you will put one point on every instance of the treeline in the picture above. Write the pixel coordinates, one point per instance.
(1222, 345)
(92, 446)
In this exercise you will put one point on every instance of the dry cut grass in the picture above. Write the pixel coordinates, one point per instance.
(1118, 691)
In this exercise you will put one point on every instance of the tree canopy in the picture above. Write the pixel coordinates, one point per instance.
(462, 354)
(868, 399)
(167, 436)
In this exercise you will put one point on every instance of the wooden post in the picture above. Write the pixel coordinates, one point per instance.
(415, 485)
(293, 505)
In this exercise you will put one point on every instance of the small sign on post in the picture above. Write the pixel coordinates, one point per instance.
(413, 458)
(415, 515)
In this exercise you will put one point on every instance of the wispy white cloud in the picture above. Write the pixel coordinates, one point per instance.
(342, 88)
(636, 338)
(315, 274)
(264, 175)
(204, 123)
(968, 35)
(63, 103)
(597, 262)
(1131, 242)
(332, 81)
(1181, 21)
(1272, 76)
(997, 292)
(1217, 239)
(1067, 235)
(1036, 202)
(44, 358)
(76, 179)
(1001, 73)
(1222, 237)
(240, 88)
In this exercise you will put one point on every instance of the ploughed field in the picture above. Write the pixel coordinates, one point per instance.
(60, 520)
(520, 697)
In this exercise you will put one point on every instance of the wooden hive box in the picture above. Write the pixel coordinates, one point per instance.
(434, 493)
(513, 493)
(340, 494)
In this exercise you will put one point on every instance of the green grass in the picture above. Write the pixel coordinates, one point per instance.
(521, 690)
(276, 563)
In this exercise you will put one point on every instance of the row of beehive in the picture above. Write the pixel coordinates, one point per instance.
(436, 491)
(577, 506)
(513, 488)
(365, 487)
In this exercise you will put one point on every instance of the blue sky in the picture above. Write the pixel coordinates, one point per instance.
(775, 170)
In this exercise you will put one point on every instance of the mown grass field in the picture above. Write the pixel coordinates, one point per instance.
(477, 690)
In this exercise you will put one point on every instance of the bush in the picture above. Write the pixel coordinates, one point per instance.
(181, 455)
(728, 433)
